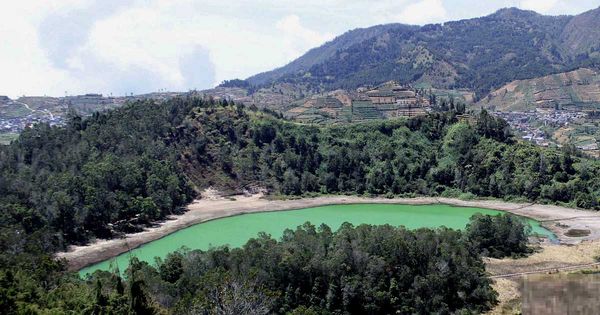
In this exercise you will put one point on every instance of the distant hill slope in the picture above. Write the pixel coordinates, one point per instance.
(578, 88)
(323, 53)
(580, 36)
(481, 54)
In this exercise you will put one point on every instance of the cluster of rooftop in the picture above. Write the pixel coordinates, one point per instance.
(394, 100)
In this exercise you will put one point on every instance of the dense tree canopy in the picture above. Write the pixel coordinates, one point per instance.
(95, 176)
(354, 270)
(120, 170)
(498, 236)
(428, 155)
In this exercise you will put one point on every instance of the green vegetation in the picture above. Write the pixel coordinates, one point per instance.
(499, 236)
(424, 155)
(13, 111)
(120, 170)
(235, 83)
(95, 177)
(479, 54)
(117, 171)
(354, 270)
(235, 231)
(6, 138)
(362, 110)
(579, 134)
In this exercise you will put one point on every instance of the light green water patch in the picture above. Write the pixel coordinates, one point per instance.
(237, 230)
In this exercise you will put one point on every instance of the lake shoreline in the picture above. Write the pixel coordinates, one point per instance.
(556, 219)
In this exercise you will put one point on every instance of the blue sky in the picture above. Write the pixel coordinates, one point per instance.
(137, 46)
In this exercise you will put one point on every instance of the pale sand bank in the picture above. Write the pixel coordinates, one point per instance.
(557, 219)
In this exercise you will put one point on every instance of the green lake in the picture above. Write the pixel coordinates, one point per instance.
(235, 231)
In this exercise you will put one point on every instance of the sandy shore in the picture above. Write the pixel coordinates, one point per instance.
(557, 219)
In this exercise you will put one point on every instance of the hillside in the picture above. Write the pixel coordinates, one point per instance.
(121, 170)
(580, 36)
(16, 115)
(578, 89)
(480, 54)
(323, 53)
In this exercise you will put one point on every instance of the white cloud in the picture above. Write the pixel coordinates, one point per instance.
(25, 68)
(540, 6)
(297, 38)
(158, 35)
(422, 12)
(119, 46)
(137, 38)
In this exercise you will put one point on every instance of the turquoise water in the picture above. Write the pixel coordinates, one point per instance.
(235, 231)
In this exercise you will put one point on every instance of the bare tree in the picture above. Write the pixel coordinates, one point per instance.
(236, 298)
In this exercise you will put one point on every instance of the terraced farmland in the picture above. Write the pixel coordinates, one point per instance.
(578, 89)
(363, 110)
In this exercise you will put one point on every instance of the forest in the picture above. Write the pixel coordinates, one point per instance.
(355, 270)
(431, 155)
(118, 171)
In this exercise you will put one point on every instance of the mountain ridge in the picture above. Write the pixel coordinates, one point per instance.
(323, 51)
(481, 53)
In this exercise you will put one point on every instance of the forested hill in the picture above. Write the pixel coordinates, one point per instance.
(480, 54)
(118, 171)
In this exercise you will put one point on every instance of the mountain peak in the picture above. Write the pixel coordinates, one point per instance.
(514, 12)
(479, 53)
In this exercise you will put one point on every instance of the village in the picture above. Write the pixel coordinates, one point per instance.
(543, 126)
(16, 115)
(388, 100)
(529, 124)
